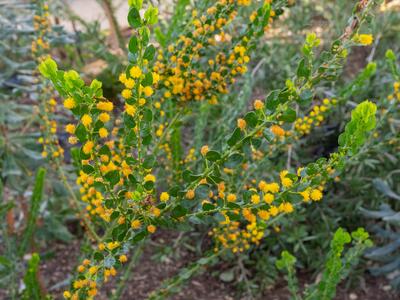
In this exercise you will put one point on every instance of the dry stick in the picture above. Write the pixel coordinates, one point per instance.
(114, 27)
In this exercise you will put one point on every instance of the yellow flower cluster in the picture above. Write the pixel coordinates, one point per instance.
(396, 93)
(185, 72)
(303, 126)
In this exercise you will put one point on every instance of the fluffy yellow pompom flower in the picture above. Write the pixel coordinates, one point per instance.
(204, 150)
(72, 140)
(136, 224)
(231, 197)
(190, 194)
(150, 177)
(269, 198)
(263, 214)
(122, 78)
(135, 72)
(306, 195)
(130, 109)
(316, 195)
(164, 197)
(255, 199)
(277, 130)
(86, 120)
(70, 128)
(126, 94)
(104, 117)
(69, 103)
(287, 207)
(258, 104)
(105, 105)
(148, 91)
(241, 123)
(151, 228)
(103, 132)
(129, 83)
(123, 258)
(87, 148)
(364, 39)
(67, 294)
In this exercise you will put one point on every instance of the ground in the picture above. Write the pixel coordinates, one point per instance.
(148, 275)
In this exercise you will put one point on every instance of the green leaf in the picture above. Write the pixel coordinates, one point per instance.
(149, 53)
(251, 119)
(149, 162)
(112, 177)
(134, 19)
(178, 211)
(36, 199)
(213, 155)
(303, 69)
(151, 15)
(288, 115)
(48, 68)
(235, 137)
(136, 3)
(133, 45)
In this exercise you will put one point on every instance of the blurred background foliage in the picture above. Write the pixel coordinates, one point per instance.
(367, 195)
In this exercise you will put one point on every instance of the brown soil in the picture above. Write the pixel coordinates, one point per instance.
(148, 275)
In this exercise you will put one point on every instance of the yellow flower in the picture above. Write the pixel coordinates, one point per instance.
(316, 195)
(190, 194)
(86, 120)
(135, 72)
(269, 198)
(87, 148)
(103, 132)
(112, 245)
(70, 128)
(151, 228)
(263, 214)
(130, 109)
(241, 123)
(306, 195)
(129, 83)
(142, 101)
(255, 199)
(93, 270)
(150, 177)
(69, 103)
(104, 117)
(126, 94)
(287, 207)
(105, 105)
(204, 150)
(258, 104)
(136, 224)
(123, 258)
(277, 130)
(231, 198)
(148, 91)
(273, 211)
(364, 39)
(164, 197)
(72, 140)
(67, 294)
(122, 77)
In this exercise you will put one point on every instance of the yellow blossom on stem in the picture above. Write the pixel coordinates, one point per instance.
(164, 197)
(69, 103)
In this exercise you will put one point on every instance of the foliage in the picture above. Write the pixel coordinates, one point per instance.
(337, 265)
(180, 148)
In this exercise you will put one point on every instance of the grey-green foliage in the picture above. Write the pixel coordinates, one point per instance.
(339, 262)
(388, 252)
